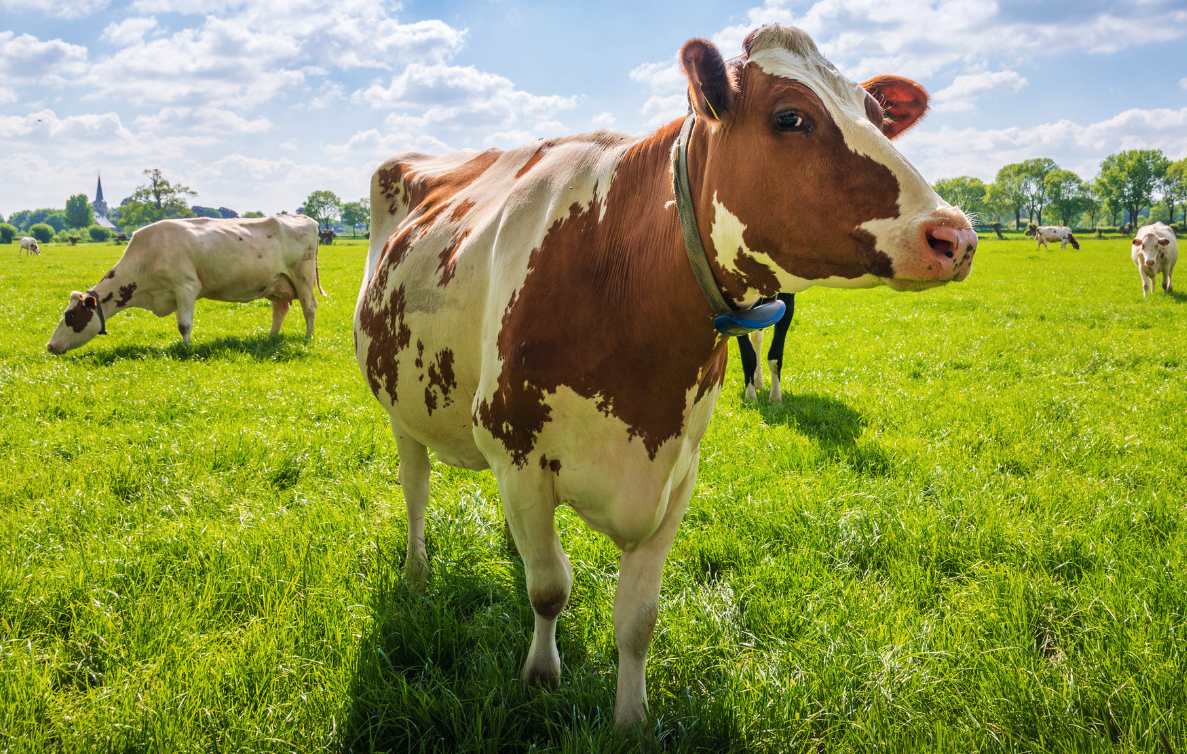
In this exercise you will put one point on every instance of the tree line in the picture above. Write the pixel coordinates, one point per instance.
(1128, 183)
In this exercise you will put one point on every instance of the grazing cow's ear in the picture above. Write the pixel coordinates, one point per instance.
(710, 89)
(1137, 241)
(90, 302)
(903, 101)
(1164, 242)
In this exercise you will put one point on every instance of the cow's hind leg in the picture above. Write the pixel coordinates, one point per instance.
(304, 285)
(529, 504)
(414, 480)
(636, 606)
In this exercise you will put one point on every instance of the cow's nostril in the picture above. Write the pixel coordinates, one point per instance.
(942, 245)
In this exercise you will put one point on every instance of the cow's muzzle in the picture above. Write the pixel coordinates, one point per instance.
(952, 249)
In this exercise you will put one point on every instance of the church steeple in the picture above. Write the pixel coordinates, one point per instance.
(99, 205)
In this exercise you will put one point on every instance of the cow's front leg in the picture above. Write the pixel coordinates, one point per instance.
(1166, 281)
(280, 308)
(185, 314)
(636, 606)
(529, 503)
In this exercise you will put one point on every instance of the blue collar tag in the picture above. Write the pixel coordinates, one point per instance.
(746, 322)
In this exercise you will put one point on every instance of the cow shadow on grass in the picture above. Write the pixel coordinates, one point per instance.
(833, 425)
(439, 669)
(264, 347)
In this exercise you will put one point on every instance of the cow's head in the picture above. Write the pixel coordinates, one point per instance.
(799, 181)
(1148, 249)
(81, 321)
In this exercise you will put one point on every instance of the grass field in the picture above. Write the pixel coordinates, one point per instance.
(964, 530)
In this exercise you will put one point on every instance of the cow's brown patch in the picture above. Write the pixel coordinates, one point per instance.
(110, 295)
(126, 292)
(449, 254)
(78, 317)
(383, 321)
(589, 267)
(441, 380)
(536, 157)
(110, 274)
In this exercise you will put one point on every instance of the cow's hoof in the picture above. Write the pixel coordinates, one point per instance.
(547, 679)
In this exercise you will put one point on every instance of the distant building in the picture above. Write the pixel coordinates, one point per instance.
(100, 208)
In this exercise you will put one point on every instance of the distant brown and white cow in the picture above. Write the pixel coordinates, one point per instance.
(1045, 234)
(1154, 250)
(29, 246)
(170, 264)
(534, 311)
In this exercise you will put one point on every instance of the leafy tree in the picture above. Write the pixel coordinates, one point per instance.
(964, 191)
(323, 206)
(355, 214)
(1034, 174)
(1065, 194)
(8, 232)
(1008, 191)
(1174, 187)
(154, 201)
(253, 214)
(1093, 205)
(1131, 178)
(43, 232)
(78, 212)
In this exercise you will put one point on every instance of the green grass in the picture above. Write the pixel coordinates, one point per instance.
(964, 530)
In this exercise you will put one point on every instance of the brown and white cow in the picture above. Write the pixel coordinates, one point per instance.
(534, 311)
(1154, 249)
(1045, 234)
(29, 246)
(170, 264)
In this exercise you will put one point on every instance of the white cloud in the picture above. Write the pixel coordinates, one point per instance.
(67, 9)
(128, 31)
(45, 126)
(604, 119)
(7, 96)
(201, 120)
(371, 142)
(26, 59)
(457, 97)
(971, 151)
(1183, 83)
(968, 87)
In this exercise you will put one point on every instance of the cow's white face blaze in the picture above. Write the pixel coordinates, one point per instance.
(79, 323)
(807, 188)
(1148, 248)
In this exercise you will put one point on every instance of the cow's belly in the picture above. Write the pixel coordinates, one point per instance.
(592, 462)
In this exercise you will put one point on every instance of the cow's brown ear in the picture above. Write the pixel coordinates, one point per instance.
(710, 89)
(903, 101)
(1164, 242)
(90, 301)
(1137, 241)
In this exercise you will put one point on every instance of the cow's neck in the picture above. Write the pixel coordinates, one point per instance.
(119, 289)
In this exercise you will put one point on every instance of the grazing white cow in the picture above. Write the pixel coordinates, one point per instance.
(1051, 233)
(536, 311)
(1154, 250)
(29, 246)
(170, 264)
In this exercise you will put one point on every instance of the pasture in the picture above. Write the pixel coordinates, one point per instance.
(965, 529)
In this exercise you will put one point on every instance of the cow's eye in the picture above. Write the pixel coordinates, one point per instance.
(790, 120)
(70, 317)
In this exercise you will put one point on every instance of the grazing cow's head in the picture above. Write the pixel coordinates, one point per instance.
(81, 321)
(1148, 249)
(799, 180)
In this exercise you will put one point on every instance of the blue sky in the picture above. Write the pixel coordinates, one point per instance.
(256, 104)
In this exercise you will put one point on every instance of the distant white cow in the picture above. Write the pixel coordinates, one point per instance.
(29, 246)
(1155, 250)
(1052, 233)
(171, 264)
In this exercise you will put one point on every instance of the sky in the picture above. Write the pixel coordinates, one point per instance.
(256, 104)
